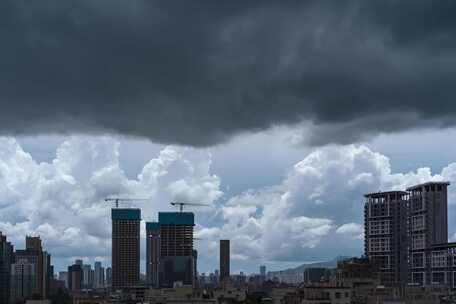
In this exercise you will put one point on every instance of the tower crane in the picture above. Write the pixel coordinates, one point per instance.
(181, 205)
(116, 200)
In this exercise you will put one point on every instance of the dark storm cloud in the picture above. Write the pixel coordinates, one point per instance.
(197, 72)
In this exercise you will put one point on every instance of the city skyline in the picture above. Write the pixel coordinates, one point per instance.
(279, 116)
(348, 231)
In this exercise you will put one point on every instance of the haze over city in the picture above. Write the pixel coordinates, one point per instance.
(277, 115)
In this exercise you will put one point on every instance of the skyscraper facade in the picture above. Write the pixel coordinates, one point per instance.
(87, 276)
(385, 223)
(152, 253)
(428, 226)
(406, 236)
(125, 247)
(74, 277)
(176, 248)
(263, 271)
(34, 254)
(23, 280)
(99, 277)
(6, 259)
(224, 260)
(63, 276)
(108, 276)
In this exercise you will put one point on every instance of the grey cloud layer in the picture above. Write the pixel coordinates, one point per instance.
(198, 72)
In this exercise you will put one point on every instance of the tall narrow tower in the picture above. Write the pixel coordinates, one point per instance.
(125, 247)
(385, 224)
(152, 253)
(176, 248)
(428, 226)
(224, 260)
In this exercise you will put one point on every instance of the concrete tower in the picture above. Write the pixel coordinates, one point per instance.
(125, 247)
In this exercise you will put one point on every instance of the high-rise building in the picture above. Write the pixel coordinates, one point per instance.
(48, 274)
(34, 254)
(74, 277)
(406, 236)
(385, 224)
(125, 247)
(99, 278)
(23, 280)
(152, 253)
(263, 271)
(78, 262)
(6, 259)
(87, 276)
(428, 226)
(108, 277)
(176, 248)
(195, 267)
(224, 260)
(314, 275)
(63, 276)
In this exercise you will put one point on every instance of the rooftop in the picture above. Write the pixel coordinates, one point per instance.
(176, 218)
(152, 226)
(382, 194)
(428, 184)
(126, 214)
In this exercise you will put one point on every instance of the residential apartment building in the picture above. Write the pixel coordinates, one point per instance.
(386, 241)
(428, 227)
(406, 236)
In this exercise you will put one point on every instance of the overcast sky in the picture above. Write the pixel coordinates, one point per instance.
(280, 115)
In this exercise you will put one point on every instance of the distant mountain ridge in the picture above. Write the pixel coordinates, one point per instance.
(325, 264)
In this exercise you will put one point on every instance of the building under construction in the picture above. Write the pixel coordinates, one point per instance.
(125, 247)
(177, 258)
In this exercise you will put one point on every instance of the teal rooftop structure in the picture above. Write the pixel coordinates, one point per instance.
(152, 226)
(176, 218)
(126, 214)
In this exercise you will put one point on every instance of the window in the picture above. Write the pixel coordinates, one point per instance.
(418, 222)
(381, 261)
(418, 278)
(417, 204)
(379, 244)
(439, 258)
(418, 241)
(418, 260)
(438, 277)
(379, 227)
(378, 209)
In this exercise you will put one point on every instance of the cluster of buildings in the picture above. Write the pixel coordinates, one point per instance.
(406, 236)
(83, 277)
(407, 259)
(170, 257)
(24, 273)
